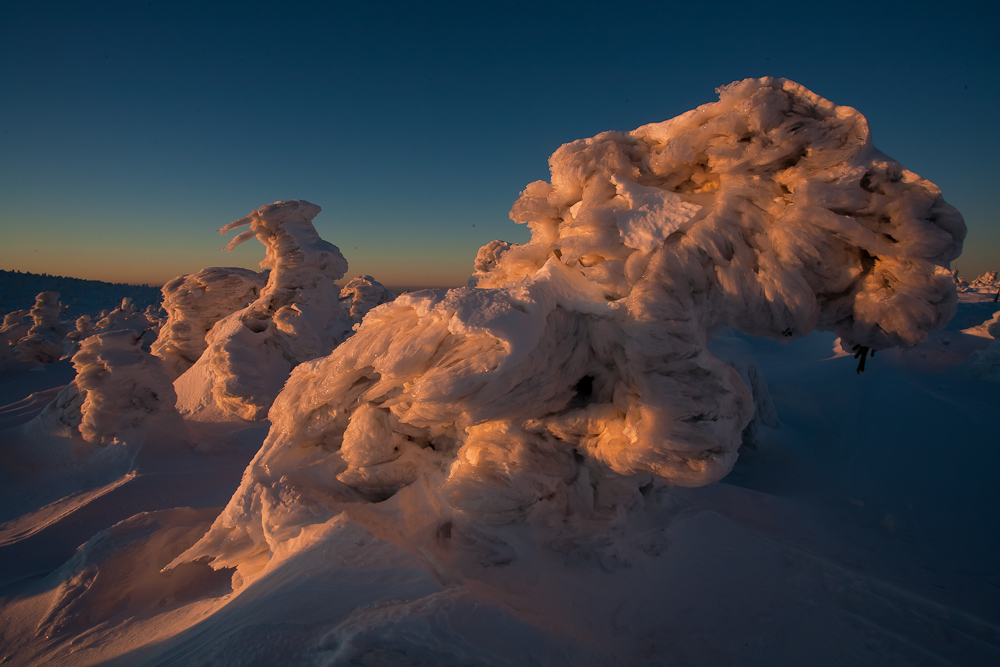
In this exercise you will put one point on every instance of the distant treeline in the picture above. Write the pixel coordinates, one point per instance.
(18, 290)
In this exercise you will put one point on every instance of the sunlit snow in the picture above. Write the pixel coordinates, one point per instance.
(642, 437)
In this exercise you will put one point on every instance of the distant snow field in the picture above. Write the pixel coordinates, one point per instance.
(727, 406)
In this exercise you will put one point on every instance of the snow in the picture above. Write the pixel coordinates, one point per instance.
(639, 438)
(194, 303)
(297, 316)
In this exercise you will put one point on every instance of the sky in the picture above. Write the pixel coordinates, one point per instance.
(131, 131)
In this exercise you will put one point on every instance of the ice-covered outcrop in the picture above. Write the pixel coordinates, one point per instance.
(362, 294)
(296, 317)
(194, 303)
(579, 371)
(118, 387)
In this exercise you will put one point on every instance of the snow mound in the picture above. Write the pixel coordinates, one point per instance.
(194, 303)
(578, 374)
(362, 294)
(296, 317)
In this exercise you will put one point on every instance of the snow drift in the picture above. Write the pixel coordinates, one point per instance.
(577, 375)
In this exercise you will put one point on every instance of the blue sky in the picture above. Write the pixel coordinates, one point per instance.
(131, 131)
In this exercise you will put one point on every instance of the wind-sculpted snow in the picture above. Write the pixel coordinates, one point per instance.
(578, 373)
(15, 327)
(42, 344)
(118, 386)
(194, 303)
(296, 317)
(362, 294)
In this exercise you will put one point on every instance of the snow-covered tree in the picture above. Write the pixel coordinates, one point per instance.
(579, 371)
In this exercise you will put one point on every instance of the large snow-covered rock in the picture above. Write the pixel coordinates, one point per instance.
(194, 303)
(296, 317)
(578, 374)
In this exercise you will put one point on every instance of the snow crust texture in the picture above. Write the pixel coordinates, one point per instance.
(577, 373)
(296, 317)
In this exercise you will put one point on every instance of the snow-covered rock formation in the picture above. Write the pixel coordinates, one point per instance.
(578, 374)
(194, 303)
(362, 294)
(296, 317)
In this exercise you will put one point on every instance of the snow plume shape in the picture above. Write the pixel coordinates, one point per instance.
(118, 386)
(297, 317)
(578, 372)
(194, 303)
(362, 294)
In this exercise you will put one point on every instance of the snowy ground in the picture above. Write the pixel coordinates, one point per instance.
(861, 531)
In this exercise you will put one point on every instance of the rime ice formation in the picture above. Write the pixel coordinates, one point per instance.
(71, 343)
(194, 303)
(15, 327)
(42, 344)
(487, 259)
(118, 386)
(296, 317)
(362, 294)
(127, 317)
(579, 372)
(985, 286)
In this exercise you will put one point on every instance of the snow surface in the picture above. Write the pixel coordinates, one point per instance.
(519, 472)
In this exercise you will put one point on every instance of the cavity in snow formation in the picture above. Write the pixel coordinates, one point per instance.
(577, 371)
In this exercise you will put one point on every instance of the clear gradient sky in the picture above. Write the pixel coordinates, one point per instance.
(131, 131)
